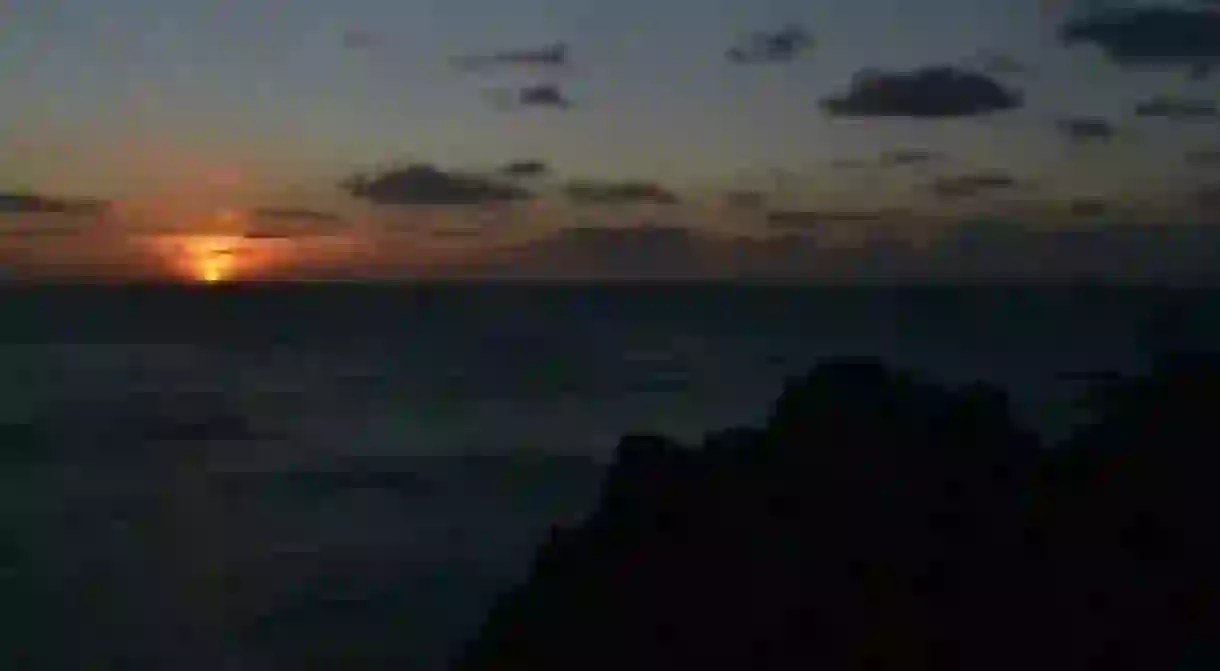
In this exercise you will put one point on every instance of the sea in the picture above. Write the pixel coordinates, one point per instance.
(346, 475)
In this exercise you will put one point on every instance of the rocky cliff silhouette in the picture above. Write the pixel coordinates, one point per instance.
(880, 521)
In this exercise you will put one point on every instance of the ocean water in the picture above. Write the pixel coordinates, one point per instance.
(250, 476)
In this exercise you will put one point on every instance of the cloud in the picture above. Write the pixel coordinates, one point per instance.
(271, 223)
(899, 157)
(423, 184)
(664, 252)
(546, 95)
(526, 168)
(289, 233)
(555, 55)
(619, 193)
(651, 251)
(970, 250)
(29, 203)
(1132, 252)
(541, 95)
(1179, 109)
(1152, 37)
(966, 186)
(745, 200)
(1085, 129)
(40, 232)
(313, 216)
(809, 219)
(456, 232)
(772, 47)
(931, 92)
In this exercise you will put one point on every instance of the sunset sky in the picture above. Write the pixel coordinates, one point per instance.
(189, 115)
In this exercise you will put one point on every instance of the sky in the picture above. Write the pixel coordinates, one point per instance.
(192, 117)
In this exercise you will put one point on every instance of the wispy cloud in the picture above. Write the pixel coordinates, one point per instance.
(971, 250)
(31, 203)
(40, 232)
(619, 193)
(810, 219)
(291, 214)
(780, 46)
(745, 200)
(538, 95)
(637, 252)
(1087, 129)
(456, 232)
(556, 55)
(902, 157)
(1179, 109)
(966, 186)
(268, 223)
(526, 168)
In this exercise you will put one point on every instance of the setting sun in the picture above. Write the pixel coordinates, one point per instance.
(210, 259)
(212, 269)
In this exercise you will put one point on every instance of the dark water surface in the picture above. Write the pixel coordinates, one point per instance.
(236, 478)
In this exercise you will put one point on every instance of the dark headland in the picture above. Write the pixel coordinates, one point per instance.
(877, 521)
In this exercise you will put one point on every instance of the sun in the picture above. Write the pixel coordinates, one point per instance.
(212, 261)
(211, 270)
